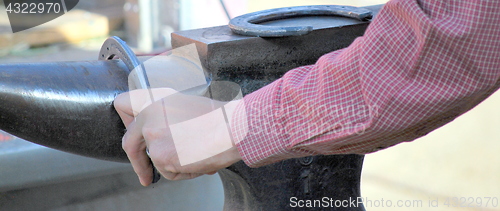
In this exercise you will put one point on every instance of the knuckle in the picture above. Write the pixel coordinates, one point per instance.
(159, 162)
(125, 145)
(119, 100)
(152, 133)
(170, 168)
(130, 149)
(169, 177)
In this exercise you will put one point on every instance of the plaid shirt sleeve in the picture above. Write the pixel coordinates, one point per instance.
(419, 65)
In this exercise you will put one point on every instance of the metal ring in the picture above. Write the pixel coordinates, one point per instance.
(248, 24)
(114, 46)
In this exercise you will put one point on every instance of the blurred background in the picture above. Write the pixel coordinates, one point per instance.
(460, 159)
(145, 25)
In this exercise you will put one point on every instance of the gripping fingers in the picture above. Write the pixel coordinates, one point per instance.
(135, 148)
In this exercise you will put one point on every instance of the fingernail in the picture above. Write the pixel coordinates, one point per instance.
(143, 183)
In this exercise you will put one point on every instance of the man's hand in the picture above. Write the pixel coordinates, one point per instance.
(186, 136)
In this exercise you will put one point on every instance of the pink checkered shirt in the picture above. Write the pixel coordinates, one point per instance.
(419, 65)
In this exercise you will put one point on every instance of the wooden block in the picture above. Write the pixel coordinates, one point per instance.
(74, 26)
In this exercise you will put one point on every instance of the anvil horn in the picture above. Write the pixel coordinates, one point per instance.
(66, 106)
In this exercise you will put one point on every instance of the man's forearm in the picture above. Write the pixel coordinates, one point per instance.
(419, 65)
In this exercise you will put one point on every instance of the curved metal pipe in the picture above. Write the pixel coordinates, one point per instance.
(66, 106)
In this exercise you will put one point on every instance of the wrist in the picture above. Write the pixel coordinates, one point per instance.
(233, 155)
(236, 116)
(230, 110)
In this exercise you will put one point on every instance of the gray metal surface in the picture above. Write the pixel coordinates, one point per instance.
(248, 24)
(253, 61)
